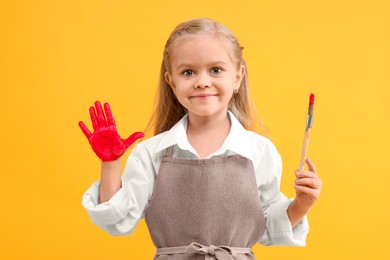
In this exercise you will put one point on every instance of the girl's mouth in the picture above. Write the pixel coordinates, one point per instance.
(203, 96)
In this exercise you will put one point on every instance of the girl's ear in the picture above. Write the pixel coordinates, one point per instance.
(240, 75)
(169, 81)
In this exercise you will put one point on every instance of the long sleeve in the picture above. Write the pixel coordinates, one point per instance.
(278, 227)
(121, 214)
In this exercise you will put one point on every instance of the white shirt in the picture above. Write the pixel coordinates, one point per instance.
(121, 214)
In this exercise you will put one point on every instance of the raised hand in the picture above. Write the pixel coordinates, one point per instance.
(105, 140)
(307, 186)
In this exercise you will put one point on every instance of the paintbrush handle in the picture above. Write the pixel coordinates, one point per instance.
(305, 147)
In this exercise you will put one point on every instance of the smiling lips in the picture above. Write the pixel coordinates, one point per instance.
(205, 95)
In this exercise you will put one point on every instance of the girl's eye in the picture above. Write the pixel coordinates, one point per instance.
(216, 70)
(188, 73)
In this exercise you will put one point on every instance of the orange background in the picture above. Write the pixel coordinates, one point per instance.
(58, 57)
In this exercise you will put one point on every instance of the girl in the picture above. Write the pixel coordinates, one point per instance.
(207, 187)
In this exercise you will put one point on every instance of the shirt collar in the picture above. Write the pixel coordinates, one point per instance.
(176, 135)
(237, 140)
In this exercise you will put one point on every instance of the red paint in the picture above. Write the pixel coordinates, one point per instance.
(311, 102)
(105, 140)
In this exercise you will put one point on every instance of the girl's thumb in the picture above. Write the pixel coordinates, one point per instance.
(132, 138)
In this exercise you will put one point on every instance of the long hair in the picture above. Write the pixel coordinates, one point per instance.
(168, 111)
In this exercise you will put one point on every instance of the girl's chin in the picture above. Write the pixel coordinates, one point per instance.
(207, 113)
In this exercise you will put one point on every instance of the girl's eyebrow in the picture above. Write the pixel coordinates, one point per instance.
(183, 65)
(214, 63)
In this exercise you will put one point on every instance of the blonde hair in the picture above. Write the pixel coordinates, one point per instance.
(168, 111)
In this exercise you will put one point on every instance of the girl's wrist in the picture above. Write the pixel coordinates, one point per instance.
(299, 207)
(111, 165)
(110, 180)
(296, 212)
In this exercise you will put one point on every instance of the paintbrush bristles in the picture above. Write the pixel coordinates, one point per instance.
(311, 100)
(311, 104)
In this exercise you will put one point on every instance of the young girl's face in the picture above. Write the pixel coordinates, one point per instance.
(202, 75)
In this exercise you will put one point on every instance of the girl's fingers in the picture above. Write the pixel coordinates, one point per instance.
(306, 190)
(94, 120)
(110, 118)
(311, 165)
(308, 180)
(305, 174)
(100, 114)
(85, 130)
(311, 172)
(313, 183)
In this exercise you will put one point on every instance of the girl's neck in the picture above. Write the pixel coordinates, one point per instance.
(207, 134)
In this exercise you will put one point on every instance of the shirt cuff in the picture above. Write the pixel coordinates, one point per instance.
(110, 212)
(279, 230)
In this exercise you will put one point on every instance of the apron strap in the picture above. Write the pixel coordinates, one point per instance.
(168, 151)
(211, 252)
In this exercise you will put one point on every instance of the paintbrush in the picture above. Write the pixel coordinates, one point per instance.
(309, 123)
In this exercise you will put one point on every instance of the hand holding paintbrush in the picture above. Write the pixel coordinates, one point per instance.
(307, 184)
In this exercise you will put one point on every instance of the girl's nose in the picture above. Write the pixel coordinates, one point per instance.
(202, 85)
(203, 81)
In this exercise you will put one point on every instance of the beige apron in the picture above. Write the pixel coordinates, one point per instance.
(205, 208)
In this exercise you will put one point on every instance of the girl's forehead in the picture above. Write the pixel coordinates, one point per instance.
(183, 39)
(202, 41)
